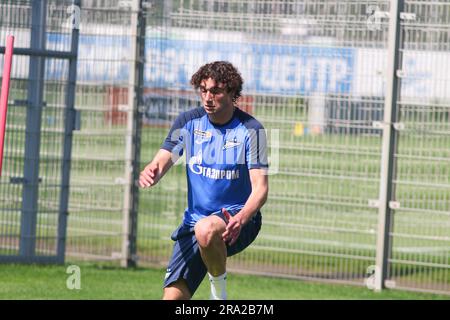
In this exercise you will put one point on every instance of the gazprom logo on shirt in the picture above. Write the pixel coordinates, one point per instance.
(196, 167)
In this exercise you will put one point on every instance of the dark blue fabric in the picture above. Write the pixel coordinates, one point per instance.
(186, 261)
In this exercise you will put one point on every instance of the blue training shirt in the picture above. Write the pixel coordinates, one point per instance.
(218, 160)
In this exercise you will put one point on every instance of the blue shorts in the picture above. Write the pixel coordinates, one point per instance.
(186, 261)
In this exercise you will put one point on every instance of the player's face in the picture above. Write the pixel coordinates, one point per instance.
(215, 98)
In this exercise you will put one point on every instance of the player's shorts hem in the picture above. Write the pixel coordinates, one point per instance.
(186, 261)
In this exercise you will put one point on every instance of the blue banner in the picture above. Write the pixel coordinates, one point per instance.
(170, 63)
(266, 69)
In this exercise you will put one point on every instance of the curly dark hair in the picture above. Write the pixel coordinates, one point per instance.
(220, 71)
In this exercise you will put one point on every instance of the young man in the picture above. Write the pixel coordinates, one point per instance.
(227, 182)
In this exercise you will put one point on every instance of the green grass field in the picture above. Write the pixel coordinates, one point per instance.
(105, 281)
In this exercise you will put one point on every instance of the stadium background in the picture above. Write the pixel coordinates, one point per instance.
(315, 75)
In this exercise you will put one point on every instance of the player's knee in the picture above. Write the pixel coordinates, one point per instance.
(177, 291)
(207, 232)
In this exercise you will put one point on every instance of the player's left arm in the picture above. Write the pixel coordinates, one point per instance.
(260, 190)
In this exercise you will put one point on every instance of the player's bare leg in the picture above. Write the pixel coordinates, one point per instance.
(177, 291)
(208, 232)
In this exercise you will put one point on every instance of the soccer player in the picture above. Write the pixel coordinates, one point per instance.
(226, 166)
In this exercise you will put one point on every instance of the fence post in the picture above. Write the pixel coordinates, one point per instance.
(385, 221)
(35, 92)
(69, 126)
(133, 136)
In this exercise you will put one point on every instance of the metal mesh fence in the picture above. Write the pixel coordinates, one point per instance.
(11, 203)
(35, 130)
(421, 243)
(98, 162)
(299, 62)
(314, 75)
(314, 70)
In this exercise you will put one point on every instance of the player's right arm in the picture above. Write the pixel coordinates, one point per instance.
(171, 150)
(156, 169)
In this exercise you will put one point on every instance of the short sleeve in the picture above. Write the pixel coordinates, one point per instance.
(256, 147)
(176, 138)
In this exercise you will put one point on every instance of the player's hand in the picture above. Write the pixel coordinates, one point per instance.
(233, 229)
(149, 176)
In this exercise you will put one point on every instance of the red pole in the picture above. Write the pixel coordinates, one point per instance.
(5, 93)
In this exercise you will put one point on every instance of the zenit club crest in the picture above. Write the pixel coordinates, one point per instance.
(231, 144)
